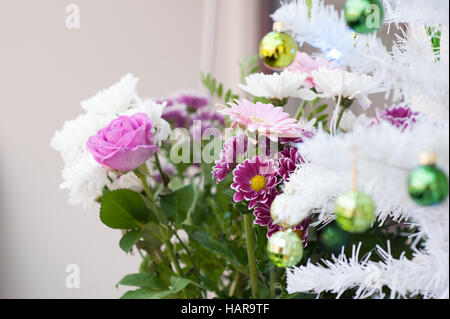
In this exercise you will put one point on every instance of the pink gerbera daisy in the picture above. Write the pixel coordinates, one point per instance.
(263, 118)
(254, 180)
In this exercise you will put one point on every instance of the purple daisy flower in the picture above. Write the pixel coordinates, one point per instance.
(304, 134)
(254, 180)
(169, 102)
(192, 101)
(398, 116)
(234, 147)
(208, 119)
(176, 114)
(263, 218)
(288, 159)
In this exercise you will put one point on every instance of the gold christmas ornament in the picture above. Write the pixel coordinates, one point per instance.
(278, 49)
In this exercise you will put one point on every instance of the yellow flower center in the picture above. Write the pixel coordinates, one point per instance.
(258, 119)
(258, 183)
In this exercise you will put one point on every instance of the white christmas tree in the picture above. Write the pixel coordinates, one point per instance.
(412, 73)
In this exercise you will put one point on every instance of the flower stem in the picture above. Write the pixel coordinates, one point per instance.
(142, 176)
(234, 284)
(345, 104)
(158, 166)
(251, 257)
(172, 258)
(300, 110)
(272, 283)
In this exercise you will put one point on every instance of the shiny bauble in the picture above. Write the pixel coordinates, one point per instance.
(285, 249)
(332, 238)
(428, 185)
(354, 211)
(364, 16)
(277, 50)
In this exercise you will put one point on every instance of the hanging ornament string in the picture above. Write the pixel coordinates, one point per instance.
(355, 211)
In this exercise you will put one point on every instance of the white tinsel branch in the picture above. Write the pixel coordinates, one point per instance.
(409, 71)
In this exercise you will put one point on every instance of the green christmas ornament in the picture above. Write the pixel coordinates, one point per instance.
(427, 184)
(354, 211)
(285, 249)
(364, 16)
(277, 49)
(331, 238)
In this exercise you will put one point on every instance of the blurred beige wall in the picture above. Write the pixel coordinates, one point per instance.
(45, 70)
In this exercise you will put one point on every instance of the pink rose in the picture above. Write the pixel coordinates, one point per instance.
(125, 144)
(305, 64)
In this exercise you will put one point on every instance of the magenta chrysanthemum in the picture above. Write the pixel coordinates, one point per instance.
(254, 180)
(192, 101)
(304, 135)
(399, 116)
(289, 158)
(232, 149)
(207, 119)
(263, 118)
(176, 114)
(263, 218)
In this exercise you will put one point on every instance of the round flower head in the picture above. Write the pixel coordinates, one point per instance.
(207, 119)
(254, 180)
(304, 135)
(278, 85)
(399, 116)
(192, 101)
(232, 149)
(289, 159)
(176, 114)
(262, 118)
(305, 64)
(125, 144)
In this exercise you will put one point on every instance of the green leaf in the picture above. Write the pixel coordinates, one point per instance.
(145, 293)
(228, 96)
(220, 91)
(130, 239)
(321, 118)
(321, 108)
(223, 248)
(124, 209)
(142, 280)
(178, 284)
(178, 204)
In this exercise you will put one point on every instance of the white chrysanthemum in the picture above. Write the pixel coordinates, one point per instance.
(115, 99)
(278, 85)
(71, 140)
(336, 82)
(350, 120)
(85, 181)
(128, 181)
(154, 111)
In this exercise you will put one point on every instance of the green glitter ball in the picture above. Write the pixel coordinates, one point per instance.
(331, 238)
(354, 212)
(277, 50)
(285, 249)
(364, 16)
(428, 185)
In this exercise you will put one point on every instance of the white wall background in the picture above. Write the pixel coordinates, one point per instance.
(45, 70)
